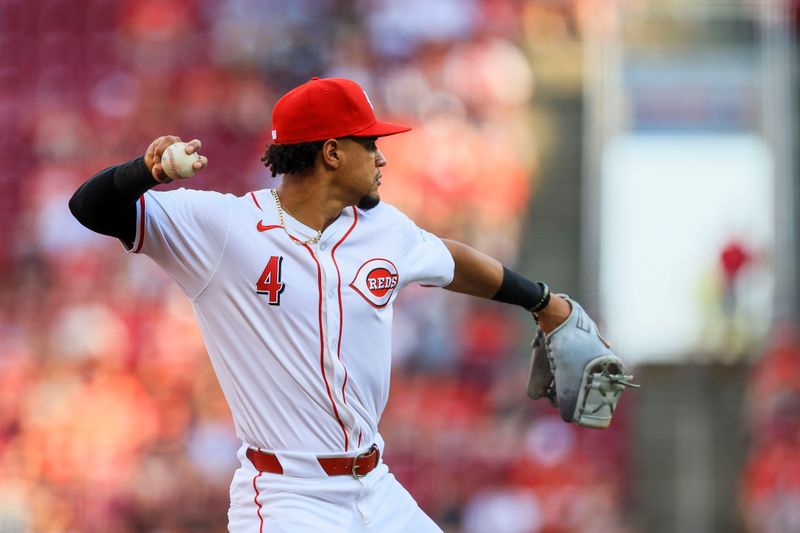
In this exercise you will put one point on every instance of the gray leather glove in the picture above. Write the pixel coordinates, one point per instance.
(540, 377)
(588, 377)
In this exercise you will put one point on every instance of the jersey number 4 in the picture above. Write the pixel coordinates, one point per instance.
(270, 281)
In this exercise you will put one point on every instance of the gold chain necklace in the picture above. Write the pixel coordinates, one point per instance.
(312, 240)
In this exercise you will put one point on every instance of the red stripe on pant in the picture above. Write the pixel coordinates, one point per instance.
(255, 499)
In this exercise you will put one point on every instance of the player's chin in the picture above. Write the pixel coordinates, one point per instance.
(369, 201)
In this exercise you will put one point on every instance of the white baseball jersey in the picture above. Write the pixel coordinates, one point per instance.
(298, 335)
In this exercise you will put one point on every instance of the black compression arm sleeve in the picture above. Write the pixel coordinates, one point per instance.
(517, 290)
(106, 203)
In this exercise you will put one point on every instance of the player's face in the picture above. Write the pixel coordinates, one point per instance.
(365, 173)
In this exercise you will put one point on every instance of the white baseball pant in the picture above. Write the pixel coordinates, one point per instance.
(262, 502)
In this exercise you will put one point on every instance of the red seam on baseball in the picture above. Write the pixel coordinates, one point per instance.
(172, 164)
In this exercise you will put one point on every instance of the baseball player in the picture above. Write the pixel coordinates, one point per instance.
(293, 290)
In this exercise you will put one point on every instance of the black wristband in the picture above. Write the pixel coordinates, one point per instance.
(544, 300)
(517, 290)
(133, 179)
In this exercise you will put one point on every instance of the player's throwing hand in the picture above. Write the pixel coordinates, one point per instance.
(154, 153)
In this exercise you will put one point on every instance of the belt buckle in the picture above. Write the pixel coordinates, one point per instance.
(354, 470)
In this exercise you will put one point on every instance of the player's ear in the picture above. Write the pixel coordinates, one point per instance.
(332, 153)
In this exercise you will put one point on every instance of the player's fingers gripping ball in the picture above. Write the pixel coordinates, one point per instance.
(177, 164)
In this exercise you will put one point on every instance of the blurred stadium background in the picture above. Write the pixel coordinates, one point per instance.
(641, 155)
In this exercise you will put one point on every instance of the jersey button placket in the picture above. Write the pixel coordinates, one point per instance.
(332, 321)
(332, 305)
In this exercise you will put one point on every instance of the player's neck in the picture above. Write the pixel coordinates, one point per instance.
(309, 203)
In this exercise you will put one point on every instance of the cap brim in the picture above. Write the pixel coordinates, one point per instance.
(381, 129)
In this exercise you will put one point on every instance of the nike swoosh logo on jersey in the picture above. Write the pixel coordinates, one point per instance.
(264, 227)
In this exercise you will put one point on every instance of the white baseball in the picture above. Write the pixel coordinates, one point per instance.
(177, 164)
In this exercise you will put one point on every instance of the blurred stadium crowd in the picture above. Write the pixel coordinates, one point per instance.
(770, 487)
(110, 416)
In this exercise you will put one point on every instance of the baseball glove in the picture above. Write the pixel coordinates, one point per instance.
(540, 377)
(575, 369)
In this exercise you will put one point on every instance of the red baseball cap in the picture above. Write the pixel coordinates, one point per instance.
(328, 108)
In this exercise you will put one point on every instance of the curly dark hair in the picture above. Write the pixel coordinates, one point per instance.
(291, 158)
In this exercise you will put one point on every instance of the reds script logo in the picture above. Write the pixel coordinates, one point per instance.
(375, 281)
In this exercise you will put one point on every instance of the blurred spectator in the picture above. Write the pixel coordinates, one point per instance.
(503, 510)
(770, 487)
